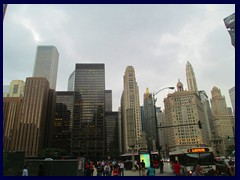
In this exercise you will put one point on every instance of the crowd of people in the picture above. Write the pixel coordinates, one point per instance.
(105, 168)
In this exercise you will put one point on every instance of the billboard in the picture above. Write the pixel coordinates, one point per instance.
(145, 156)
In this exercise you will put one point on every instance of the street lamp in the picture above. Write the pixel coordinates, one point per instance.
(155, 114)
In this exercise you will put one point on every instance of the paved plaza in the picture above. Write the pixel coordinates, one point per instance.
(167, 171)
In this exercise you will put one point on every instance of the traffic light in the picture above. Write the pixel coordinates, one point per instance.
(199, 125)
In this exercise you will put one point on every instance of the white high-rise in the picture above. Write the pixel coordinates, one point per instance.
(131, 119)
(46, 64)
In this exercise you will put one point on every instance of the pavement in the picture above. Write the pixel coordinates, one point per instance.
(167, 171)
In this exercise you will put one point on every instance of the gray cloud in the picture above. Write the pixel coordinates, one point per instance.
(157, 40)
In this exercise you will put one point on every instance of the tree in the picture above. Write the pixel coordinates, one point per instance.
(230, 150)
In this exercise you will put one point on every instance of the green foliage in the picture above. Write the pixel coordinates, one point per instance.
(230, 149)
(52, 152)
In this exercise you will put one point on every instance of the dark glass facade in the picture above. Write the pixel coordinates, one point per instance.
(112, 143)
(88, 138)
(62, 131)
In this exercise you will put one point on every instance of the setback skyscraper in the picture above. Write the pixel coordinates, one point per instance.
(131, 116)
(191, 79)
(46, 64)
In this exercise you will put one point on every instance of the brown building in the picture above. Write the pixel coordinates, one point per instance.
(11, 113)
(34, 117)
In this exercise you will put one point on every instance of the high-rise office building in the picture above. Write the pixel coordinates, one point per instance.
(89, 126)
(31, 132)
(11, 120)
(62, 126)
(131, 116)
(223, 122)
(46, 64)
(232, 98)
(149, 116)
(181, 108)
(112, 143)
(108, 100)
(191, 79)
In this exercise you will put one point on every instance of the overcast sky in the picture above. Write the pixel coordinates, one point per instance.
(157, 40)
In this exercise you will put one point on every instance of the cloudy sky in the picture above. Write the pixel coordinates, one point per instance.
(157, 40)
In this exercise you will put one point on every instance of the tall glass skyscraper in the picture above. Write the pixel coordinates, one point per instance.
(46, 64)
(88, 138)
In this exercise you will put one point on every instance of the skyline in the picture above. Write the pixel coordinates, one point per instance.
(122, 35)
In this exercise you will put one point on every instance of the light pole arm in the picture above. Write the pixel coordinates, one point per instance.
(154, 94)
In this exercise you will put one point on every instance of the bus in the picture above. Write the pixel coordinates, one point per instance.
(188, 158)
(147, 156)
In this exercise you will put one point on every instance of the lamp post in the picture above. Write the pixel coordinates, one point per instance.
(155, 114)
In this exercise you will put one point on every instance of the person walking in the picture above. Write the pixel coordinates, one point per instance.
(161, 166)
(115, 170)
(121, 168)
(25, 171)
(143, 167)
(198, 171)
(177, 168)
(151, 170)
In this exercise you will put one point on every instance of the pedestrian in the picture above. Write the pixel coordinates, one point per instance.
(25, 171)
(231, 166)
(121, 168)
(41, 170)
(107, 169)
(198, 171)
(151, 170)
(177, 168)
(100, 169)
(91, 168)
(139, 167)
(143, 167)
(161, 166)
(115, 170)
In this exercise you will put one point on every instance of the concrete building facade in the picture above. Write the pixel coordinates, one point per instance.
(181, 109)
(16, 89)
(223, 122)
(131, 116)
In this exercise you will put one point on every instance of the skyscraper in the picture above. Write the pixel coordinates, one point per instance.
(108, 100)
(131, 116)
(62, 126)
(46, 64)
(89, 125)
(184, 107)
(223, 122)
(191, 79)
(149, 116)
(34, 118)
(232, 98)
(11, 117)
